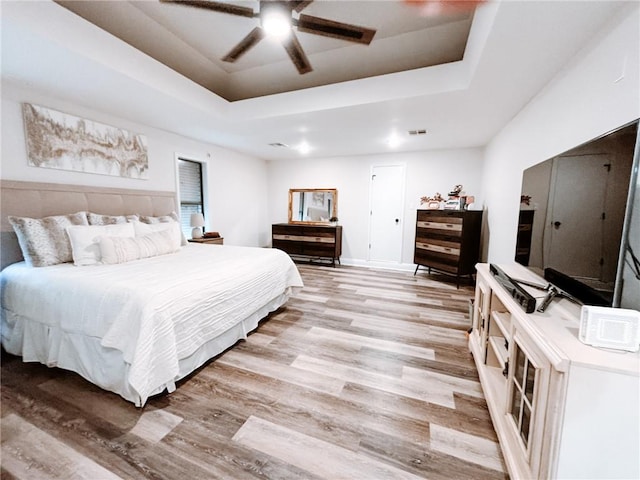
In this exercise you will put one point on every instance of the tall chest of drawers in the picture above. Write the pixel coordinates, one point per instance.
(448, 241)
(309, 241)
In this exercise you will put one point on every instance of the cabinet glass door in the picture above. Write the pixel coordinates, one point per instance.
(482, 306)
(524, 379)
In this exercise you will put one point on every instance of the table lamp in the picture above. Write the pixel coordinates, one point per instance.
(197, 222)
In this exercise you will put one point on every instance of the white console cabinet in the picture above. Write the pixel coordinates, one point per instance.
(561, 409)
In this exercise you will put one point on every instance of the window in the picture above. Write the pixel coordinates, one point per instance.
(191, 192)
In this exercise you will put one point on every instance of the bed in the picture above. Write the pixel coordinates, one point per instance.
(133, 327)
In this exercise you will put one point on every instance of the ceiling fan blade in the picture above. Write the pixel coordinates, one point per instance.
(299, 5)
(329, 28)
(298, 57)
(245, 44)
(215, 6)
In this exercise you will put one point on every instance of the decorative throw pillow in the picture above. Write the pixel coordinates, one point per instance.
(85, 240)
(44, 241)
(98, 219)
(143, 229)
(172, 217)
(123, 249)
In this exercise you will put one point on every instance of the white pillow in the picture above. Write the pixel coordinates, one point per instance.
(173, 228)
(121, 249)
(85, 240)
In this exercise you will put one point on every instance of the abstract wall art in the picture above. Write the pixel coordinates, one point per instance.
(65, 142)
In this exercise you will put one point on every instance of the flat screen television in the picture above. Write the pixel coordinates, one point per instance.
(577, 226)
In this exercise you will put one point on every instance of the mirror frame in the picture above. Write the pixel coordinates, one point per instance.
(334, 208)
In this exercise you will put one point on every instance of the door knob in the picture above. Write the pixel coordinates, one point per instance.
(397, 220)
(557, 224)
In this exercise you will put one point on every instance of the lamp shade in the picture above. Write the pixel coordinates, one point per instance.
(197, 222)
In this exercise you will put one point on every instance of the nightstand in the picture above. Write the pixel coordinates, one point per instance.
(211, 241)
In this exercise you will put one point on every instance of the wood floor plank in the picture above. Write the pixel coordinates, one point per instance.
(437, 392)
(155, 424)
(313, 455)
(425, 462)
(292, 374)
(28, 452)
(362, 374)
(468, 447)
(346, 338)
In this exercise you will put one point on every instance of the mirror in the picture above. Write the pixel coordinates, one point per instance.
(313, 205)
(572, 215)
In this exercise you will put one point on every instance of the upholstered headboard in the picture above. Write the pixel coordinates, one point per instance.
(37, 200)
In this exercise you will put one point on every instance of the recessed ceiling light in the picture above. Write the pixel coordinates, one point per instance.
(304, 148)
(394, 140)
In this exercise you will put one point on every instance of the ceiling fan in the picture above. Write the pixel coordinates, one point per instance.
(304, 23)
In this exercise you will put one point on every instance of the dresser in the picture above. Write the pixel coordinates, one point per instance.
(448, 241)
(308, 241)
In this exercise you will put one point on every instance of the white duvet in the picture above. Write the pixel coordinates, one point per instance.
(155, 311)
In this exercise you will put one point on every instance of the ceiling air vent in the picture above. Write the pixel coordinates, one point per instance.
(417, 132)
(278, 144)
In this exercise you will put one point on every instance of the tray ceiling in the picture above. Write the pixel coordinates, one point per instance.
(192, 41)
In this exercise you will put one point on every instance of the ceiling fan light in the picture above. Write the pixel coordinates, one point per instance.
(277, 25)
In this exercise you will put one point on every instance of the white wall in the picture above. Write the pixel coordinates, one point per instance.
(426, 173)
(237, 183)
(587, 99)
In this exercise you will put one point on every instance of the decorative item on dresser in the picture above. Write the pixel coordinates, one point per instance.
(309, 241)
(560, 408)
(448, 241)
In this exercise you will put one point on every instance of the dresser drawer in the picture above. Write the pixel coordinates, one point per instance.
(303, 230)
(438, 225)
(440, 261)
(433, 247)
(304, 248)
(304, 238)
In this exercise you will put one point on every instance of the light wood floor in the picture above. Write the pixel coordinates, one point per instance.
(363, 375)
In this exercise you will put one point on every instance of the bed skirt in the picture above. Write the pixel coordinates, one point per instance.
(38, 342)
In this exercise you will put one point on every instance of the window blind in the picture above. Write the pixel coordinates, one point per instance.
(191, 198)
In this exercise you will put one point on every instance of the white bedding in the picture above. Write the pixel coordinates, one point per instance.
(153, 312)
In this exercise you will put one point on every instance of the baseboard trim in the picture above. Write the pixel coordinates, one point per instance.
(354, 262)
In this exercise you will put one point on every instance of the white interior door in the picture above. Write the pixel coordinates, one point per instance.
(575, 220)
(386, 213)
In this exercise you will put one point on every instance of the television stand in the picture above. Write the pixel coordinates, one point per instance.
(556, 403)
